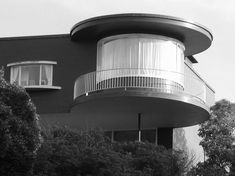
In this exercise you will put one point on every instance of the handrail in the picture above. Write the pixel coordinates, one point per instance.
(157, 80)
(197, 75)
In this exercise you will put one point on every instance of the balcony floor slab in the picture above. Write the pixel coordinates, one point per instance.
(118, 109)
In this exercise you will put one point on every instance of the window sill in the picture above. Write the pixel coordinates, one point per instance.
(42, 87)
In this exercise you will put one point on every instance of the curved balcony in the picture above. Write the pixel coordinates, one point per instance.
(166, 82)
(168, 99)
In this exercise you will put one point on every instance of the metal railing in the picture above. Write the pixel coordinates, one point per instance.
(155, 80)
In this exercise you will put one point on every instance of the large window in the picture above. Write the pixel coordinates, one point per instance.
(142, 55)
(32, 74)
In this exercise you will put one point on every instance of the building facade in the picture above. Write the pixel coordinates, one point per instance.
(130, 74)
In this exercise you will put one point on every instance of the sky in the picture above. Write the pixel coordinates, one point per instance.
(216, 64)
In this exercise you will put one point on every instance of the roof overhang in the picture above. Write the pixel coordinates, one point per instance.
(195, 37)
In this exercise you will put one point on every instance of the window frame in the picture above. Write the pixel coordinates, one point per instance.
(29, 63)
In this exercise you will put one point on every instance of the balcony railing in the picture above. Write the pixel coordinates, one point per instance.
(155, 80)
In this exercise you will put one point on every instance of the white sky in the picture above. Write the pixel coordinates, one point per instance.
(216, 65)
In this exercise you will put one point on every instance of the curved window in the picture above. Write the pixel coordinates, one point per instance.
(142, 55)
(32, 73)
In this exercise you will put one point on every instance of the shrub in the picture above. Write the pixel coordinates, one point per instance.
(71, 152)
(150, 159)
(80, 153)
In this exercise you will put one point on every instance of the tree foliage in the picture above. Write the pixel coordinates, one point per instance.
(19, 130)
(82, 153)
(149, 159)
(217, 140)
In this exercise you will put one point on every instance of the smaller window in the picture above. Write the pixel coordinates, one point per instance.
(33, 74)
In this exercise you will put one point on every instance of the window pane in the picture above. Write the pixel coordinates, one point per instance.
(46, 77)
(132, 135)
(15, 74)
(148, 135)
(30, 75)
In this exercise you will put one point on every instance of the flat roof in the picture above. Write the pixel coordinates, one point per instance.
(30, 37)
(195, 37)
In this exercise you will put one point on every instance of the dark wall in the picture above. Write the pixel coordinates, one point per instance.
(165, 137)
(73, 59)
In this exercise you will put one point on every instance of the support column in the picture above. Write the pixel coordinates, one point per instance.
(156, 137)
(112, 136)
(139, 127)
(165, 137)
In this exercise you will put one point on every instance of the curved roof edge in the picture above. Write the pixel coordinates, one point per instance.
(196, 37)
(142, 15)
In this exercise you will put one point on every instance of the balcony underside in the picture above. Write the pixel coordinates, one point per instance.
(115, 109)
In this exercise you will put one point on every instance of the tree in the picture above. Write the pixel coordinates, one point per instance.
(19, 130)
(217, 140)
